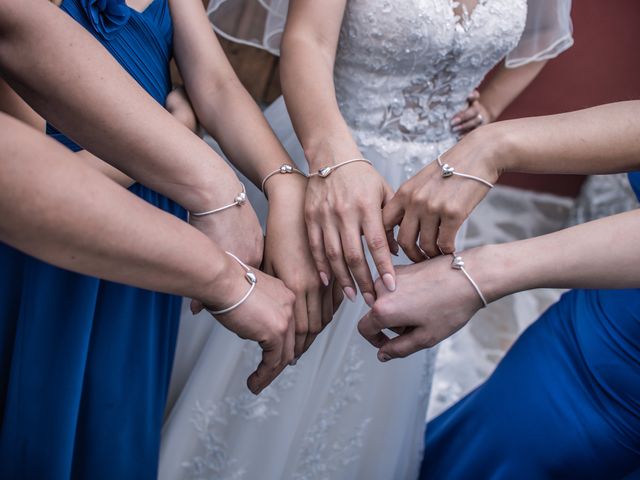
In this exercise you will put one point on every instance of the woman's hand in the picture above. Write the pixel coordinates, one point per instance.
(431, 208)
(472, 117)
(339, 209)
(288, 257)
(265, 317)
(432, 301)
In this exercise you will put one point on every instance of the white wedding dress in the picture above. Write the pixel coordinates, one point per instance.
(403, 69)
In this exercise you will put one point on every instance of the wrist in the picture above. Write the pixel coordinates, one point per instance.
(283, 187)
(225, 285)
(331, 149)
(497, 270)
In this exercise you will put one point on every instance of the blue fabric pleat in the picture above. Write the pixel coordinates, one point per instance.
(85, 363)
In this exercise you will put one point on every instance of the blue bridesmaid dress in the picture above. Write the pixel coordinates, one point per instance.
(85, 363)
(564, 403)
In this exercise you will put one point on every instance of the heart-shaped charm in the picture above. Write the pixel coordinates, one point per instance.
(324, 172)
(457, 263)
(447, 170)
(251, 278)
(241, 198)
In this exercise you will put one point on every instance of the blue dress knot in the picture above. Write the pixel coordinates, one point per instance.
(107, 16)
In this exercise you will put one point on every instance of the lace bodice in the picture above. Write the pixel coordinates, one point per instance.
(404, 68)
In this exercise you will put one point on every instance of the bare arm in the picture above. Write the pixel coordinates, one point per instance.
(56, 207)
(345, 205)
(229, 114)
(134, 134)
(600, 254)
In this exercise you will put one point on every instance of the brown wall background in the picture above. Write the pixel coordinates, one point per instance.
(603, 66)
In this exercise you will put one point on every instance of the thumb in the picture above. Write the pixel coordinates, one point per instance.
(401, 346)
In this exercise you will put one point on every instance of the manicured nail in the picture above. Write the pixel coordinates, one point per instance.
(389, 282)
(324, 279)
(455, 121)
(456, 129)
(383, 357)
(368, 298)
(350, 293)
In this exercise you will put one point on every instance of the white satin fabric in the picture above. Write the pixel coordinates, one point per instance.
(548, 30)
(403, 69)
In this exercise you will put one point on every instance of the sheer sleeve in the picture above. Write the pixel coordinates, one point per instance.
(547, 33)
(258, 23)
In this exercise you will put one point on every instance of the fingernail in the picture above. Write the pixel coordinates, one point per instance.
(324, 279)
(389, 282)
(455, 122)
(368, 298)
(293, 362)
(455, 129)
(383, 357)
(350, 293)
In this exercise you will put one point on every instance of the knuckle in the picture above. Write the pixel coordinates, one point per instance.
(381, 309)
(353, 257)
(333, 254)
(377, 242)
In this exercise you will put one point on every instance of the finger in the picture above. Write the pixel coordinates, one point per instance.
(289, 344)
(333, 249)
(317, 247)
(401, 346)
(473, 96)
(475, 122)
(392, 215)
(408, 238)
(337, 295)
(196, 306)
(447, 234)
(328, 307)
(356, 261)
(270, 366)
(376, 238)
(301, 324)
(428, 241)
(371, 331)
(391, 241)
(463, 117)
(314, 312)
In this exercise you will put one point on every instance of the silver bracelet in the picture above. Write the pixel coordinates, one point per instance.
(249, 277)
(326, 171)
(284, 169)
(240, 199)
(458, 264)
(448, 171)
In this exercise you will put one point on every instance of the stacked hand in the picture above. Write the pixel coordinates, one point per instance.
(340, 209)
(430, 209)
(265, 317)
(288, 257)
(431, 303)
(472, 117)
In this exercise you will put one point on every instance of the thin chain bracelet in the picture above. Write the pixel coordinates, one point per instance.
(284, 169)
(448, 171)
(249, 277)
(458, 264)
(240, 199)
(326, 171)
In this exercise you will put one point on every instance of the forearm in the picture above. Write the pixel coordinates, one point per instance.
(57, 208)
(506, 85)
(307, 83)
(134, 134)
(602, 254)
(230, 115)
(604, 139)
